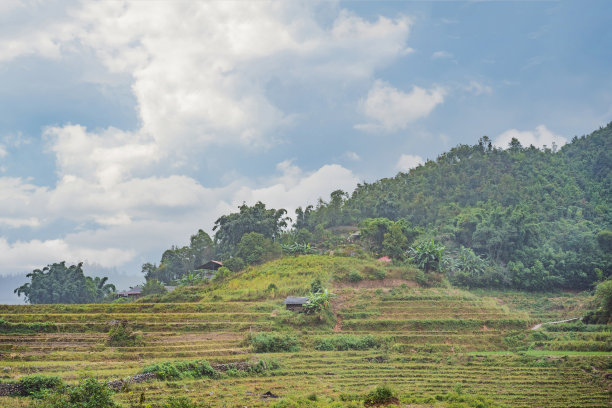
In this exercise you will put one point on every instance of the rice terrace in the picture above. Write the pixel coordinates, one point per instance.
(430, 346)
(305, 204)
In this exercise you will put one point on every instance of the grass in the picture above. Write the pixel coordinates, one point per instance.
(433, 347)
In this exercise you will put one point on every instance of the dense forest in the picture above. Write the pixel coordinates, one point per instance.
(519, 217)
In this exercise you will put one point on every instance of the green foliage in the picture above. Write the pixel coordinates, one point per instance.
(316, 285)
(297, 249)
(547, 212)
(255, 248)
(318, 302)
(273, 342)
(603, 298)
(355, 276)
(177, 370)
(381, 395)
(347, 342)
(427, 255)
(36, 385)
(34, 327)
(180, 402)
(89, 393)
(153, 287)
(177, 262)
(231, 228)
(57, 283)
(465, 268)
(122, 335)
(234, 264)
(222, 274)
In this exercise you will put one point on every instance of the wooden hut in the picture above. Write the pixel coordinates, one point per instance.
(295, 303)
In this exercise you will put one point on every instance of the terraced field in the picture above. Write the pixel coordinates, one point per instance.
(430, 342)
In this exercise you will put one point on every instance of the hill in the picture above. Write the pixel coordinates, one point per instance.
(542, 218)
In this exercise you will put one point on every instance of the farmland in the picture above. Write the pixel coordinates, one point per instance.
(434, 346)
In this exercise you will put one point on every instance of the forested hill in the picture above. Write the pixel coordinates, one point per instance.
(541, 215)
(519, 218)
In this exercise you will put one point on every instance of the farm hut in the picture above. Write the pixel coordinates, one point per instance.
(295, 303)
(136, 291)
(211, 265)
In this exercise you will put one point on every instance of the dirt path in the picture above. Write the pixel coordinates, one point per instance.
(537, 326)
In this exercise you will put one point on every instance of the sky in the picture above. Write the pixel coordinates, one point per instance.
(128, 126)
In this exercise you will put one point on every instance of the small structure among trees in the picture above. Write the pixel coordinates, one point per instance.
(295, 303)
(210, 265)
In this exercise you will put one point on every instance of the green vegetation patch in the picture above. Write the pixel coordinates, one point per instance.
(273, 342)
(344, 342)
(176, 370)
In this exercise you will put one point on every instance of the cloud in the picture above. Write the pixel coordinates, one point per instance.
(441, 55)
(3, 151)
(408, 161)
(478, 88)
(36, 254)
(539, 137)
(393, 109)
(352, 156)
(200, 73)
(140, 215)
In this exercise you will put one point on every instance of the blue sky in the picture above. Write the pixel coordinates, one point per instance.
(125, 127)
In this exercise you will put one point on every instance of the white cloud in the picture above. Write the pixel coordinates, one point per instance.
(139, 215)
(408, 161)
(478, 88)
(441, 55)
(393, 109)
(296, 188)
(36, 254)
(539, 137)
(3, 151)
(20, 222)
(200, 70)
(352, 156)
(200, 73)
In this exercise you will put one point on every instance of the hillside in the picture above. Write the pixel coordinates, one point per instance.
(536, 215)
(432, 346)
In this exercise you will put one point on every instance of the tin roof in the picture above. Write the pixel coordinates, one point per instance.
(294, 300)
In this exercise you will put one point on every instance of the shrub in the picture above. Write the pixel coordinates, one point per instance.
(355, 276)
(153, 287)
(222, 274)
(121, 335)
(234, 264)
(347, 342)
(374, 273)
(180, 402)
(273, 343)
(35, 385)
(381, 395)
(89, 393)
(181, 369)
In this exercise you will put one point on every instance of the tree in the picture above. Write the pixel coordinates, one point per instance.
(603, 296)
(202, 247)
(427, 255)
(57, 283)
(100, 289)
(153, 287)
(230, 228)
(395, 243)
(255, 248)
